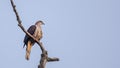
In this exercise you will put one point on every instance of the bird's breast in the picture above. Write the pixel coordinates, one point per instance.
(39, 34)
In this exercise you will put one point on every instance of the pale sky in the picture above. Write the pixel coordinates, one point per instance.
(82, 33)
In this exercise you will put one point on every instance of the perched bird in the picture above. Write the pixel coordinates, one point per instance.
(36, 31)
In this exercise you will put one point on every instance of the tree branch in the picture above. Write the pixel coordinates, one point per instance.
(20, 25)
(44, 55)
(52, 59)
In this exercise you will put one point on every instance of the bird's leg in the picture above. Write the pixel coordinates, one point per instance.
(28, 50)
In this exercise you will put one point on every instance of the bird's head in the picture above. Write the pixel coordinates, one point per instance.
(39, 23)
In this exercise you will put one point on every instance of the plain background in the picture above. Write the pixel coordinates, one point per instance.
(82, 33)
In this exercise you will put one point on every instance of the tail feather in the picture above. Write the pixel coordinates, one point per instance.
(28, 49)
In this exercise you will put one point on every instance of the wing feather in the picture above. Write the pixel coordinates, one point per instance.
(31, 30)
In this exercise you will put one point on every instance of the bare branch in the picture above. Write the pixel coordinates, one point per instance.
(20, 25)
(43, 60)
(52, 59)
(44, 55)
(14, 9)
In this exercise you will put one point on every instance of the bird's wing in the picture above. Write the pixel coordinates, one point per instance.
(31, 30)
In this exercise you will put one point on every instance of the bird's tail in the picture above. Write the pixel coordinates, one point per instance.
(23, 45)
(28, 50)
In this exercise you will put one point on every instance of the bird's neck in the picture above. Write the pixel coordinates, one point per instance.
(38, 26)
